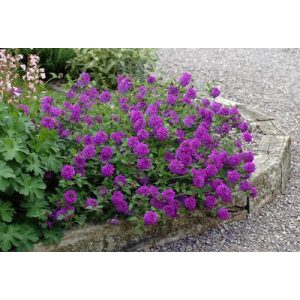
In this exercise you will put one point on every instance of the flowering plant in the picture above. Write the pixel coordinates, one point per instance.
(18, 79)
(146, 152)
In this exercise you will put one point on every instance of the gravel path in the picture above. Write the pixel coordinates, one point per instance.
(268, 80)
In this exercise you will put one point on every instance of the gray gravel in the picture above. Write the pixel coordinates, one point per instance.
(268, 80)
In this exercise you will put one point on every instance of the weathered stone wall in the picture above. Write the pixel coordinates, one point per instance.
(272, 171)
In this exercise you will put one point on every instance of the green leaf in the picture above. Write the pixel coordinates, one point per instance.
(46, 141)
(36, 208)
(52, 236)
(16, 127)
(4, 184)
(10, 235)
(52, 163)
(31, 186)
(12, 148)
(34, 165)
(29, 238)
(6, 211)
(6, 171)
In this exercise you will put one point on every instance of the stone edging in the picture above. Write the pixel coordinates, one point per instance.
(272, 171)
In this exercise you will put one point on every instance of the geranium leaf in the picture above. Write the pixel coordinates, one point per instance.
(31, 186)
(6, 211)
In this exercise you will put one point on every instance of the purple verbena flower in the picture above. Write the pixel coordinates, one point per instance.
(132, 141)
(144, 164)
(184, 79)
(151, 79)
(107, 170)
(120, 180)
(48, 122)
(143, 190)
(168, 195)
(105, 96)
(118, 137)
(143, 134)
(224, 192)
(67, 172)
(233, 176)
(89, 151)
(106, 154)
(124, 84)
(215, 92)
(177, 167)
(162, 133)
(190, 203)
(247, 137)
(141, 150)
(223, 213)
(249, 167)
(210, 201)
(70, 197)
(91, 203)
(150, 218)
(142, 92)
(101, 137)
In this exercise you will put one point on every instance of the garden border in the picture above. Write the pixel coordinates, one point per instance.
(272, 171)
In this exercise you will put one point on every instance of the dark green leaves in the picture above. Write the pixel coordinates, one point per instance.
(34, 164)
(6, 211)
(12, 148)
(46, 142)
(6, 173)
(19, 236)
(31, 186)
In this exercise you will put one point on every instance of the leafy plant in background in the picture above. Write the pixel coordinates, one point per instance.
(148, 152)
(104, 64)
(26, 155)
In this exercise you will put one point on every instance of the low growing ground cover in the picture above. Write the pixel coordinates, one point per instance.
(145, 152)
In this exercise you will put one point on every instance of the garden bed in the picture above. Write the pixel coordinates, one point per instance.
(272, 171)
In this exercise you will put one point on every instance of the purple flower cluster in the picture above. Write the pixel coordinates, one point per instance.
(150, 218)
(91, 203)
(106, 154)
(70, 197)
(118, 200)
(184, 79)
(157, 140)
(67, 172)
(105, 96)
(215, 92)
(151, 79)
(118, 137)
(120, 180)
(107, 170)
(124, 84)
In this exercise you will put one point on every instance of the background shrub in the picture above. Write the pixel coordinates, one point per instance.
(104, 64)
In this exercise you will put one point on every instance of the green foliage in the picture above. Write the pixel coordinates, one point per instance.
(18, 236)
(104, 64)
(26, 153)
(6, 211)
